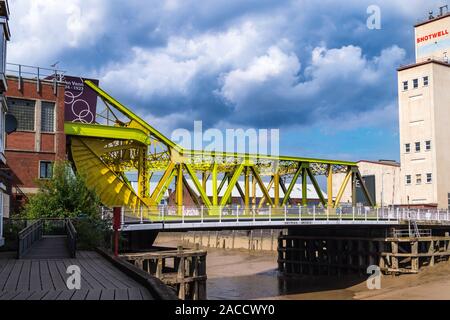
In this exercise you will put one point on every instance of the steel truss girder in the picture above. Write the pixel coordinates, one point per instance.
(137, 146)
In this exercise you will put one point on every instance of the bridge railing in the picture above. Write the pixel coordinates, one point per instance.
(202, 214)
(28, 236)
(71, 238)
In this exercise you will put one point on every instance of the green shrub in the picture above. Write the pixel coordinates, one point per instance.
(93, 232)
(64, 196)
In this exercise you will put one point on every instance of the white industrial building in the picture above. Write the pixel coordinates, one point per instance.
(423, 178)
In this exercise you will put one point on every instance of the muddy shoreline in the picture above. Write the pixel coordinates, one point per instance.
(246, 275)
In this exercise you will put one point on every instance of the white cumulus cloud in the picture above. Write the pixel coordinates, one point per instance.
(41, 29)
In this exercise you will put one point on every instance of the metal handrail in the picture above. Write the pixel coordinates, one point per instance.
(71, 238)
(405, 233)
(28, 236)
(34, 232)
(39, 74)
(289, 214)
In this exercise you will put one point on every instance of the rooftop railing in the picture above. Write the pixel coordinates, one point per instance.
(39, 74)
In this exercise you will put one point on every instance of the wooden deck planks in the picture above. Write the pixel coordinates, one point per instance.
(85, 278)
(52, 295)
(134, 294)
(89, 277)
(108, 281)
(121, 294)
(13, 279)
(4, 275)
(94, 295)
(107, 294)
(38, 295)
(45, 279)
(9, 295)
(58, 281)
(111, 271)
(24, 280)
(80, 295)
(66, 295)
(35, 278)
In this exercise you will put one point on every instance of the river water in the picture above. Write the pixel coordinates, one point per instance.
(248, 275)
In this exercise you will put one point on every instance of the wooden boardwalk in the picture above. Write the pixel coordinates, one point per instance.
(50, 247)
(37, 278)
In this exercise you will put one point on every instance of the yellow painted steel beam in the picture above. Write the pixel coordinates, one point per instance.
(179, 187)
(276, 185)
(304, 185)
(205, 177)
(143, 174)
(330, 186)
(292, 185)
(261, 186)
(131, 115)
(343, 187)
(353, 188)
(162, 181)
(197, 184)
(215, 201)
(264, 198)
(247, 188)
(230, 199)
(127, 146)
(165, 186)
(255, 157)
(105, 132)
(253, 191)
(241, 192)
(284, 189)
(222, 183)
(316, 186)
(231, 184)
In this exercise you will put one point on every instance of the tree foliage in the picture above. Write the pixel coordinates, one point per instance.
(64, 196)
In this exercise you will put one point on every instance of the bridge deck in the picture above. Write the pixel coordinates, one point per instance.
(45, 279)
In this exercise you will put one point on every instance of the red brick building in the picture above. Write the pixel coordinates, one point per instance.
(38, 106)
(4, 177)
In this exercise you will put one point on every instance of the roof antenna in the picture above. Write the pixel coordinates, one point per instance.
(430, 15)
(441, 10)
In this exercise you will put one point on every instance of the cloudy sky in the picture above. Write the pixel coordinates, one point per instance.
(310, 68)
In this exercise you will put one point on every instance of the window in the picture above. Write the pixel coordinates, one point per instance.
(417, 146)
(416, 83)
(408, 179)
(429, 178)
(23, 110)
(428, 145)
(408, 148)
(418, 178)
(425, 81)
(45, 170)
(405, 85)
(48, 117)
